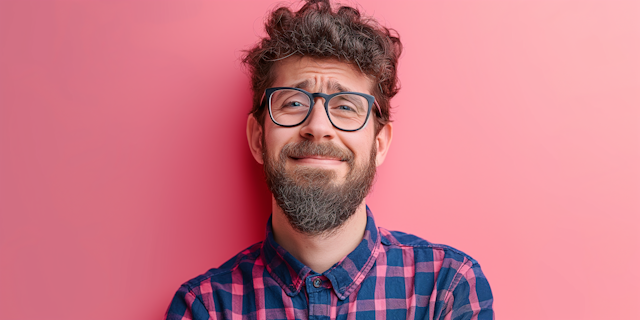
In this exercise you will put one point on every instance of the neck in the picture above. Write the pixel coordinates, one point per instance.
(319, 252)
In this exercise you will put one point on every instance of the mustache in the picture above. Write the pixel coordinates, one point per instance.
(324, 149)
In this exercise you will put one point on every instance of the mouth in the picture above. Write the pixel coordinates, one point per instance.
(316, 157)
(318, 160)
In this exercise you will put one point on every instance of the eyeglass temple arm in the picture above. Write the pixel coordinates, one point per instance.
(262, 98)
(378, 107)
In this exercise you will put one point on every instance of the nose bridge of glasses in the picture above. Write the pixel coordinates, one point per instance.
(322, 99)
(325, 97)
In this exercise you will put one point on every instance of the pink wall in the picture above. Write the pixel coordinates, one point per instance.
(124, 169)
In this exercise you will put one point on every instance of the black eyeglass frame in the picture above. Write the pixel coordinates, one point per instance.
(371, 100)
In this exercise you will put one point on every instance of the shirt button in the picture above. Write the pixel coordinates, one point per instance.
(317, 282)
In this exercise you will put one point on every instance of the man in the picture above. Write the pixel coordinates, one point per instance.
(322, 80)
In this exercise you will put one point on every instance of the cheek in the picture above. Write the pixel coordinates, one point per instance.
(362, 143)
(275, 138)
(362, 148)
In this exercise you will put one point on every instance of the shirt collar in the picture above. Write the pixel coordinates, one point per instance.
(345, 276)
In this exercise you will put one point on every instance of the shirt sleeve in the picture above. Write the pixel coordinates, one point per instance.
(471, 298)
(186, 306)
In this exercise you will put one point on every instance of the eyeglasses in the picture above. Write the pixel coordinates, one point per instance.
(290, 107)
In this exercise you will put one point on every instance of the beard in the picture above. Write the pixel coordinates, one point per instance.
(311, 199)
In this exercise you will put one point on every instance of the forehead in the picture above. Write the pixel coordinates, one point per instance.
(326, 75)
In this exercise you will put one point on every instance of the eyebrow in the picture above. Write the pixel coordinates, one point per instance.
(337, 87)
(304, 84)
(333, 85)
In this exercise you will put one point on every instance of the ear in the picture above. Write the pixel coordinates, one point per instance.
(383, 142)
(254, 137)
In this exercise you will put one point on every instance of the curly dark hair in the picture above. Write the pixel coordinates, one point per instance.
(317, 31)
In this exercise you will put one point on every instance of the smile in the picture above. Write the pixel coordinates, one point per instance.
(318, 160)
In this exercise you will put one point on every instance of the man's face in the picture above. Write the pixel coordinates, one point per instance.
(319, 174)
(327, 76)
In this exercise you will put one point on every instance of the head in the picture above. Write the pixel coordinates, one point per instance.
(319, 174)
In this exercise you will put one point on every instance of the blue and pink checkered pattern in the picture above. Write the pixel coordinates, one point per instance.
(390, 275)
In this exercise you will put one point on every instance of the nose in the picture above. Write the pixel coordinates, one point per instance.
(317, 127)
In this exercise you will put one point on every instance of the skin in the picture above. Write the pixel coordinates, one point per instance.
(320, 75)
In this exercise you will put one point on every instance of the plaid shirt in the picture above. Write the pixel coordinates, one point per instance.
(390, 275)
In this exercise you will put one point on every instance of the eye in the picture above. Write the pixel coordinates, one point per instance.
(294, 104)
(345, 108)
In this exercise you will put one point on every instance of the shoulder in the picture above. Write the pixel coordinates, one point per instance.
(447, 261)
(397, 239)
(455, 275)
(223, 275)
(211, 291)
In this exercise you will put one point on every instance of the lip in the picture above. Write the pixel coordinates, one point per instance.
(318, 160)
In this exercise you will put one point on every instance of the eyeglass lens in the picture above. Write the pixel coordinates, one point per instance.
(346, 111)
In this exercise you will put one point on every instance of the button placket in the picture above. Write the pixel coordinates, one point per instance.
(319, 298)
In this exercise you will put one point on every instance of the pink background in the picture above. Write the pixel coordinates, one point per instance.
(124, 167)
